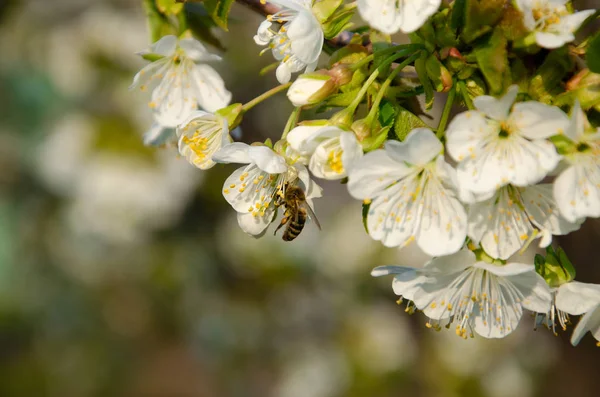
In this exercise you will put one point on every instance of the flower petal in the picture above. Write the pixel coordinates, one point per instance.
(589, 322)
(373, 173)
(577, 298)
(543, 211)
(255, 225)
(236, 152)
(499, 225)
(210, 90)
(195, 50)
(497, 109)
(306, 35)
(465, 132)
(577, 190)
(419, 148)
(536, 120)
(267, 160)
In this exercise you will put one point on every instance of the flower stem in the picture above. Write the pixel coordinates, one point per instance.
(292, 121)
(465, 94)
(446, 112)
(249, 105)
(388, 82)
(363, 91)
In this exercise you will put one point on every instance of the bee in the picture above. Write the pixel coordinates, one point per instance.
(297, 211)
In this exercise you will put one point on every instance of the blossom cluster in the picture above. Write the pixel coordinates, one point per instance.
(520, 164)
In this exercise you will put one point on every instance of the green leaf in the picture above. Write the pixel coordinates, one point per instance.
(338, 22)
(219, 11)
(343, 99)
(592, 55)
(387, 113)
(492, 58)
(324, 9)
(546, 85)
(480, 17)
(427, 86)
(459, 10)
(406, 121)
(158, 24)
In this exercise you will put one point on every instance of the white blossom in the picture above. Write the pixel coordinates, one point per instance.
(298, 42)
(577, 188)
(479, 297)
(180, 81)
(588, 322)
(201, 135)
(571, 298)
(495, 146)
(252, 189)
(332, 150)
(412, 195)
(390, 16)
(513, 216)
(551, 21)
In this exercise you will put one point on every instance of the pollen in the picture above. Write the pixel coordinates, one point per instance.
(334, 160)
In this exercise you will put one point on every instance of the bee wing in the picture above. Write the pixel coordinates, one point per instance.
(311, 214)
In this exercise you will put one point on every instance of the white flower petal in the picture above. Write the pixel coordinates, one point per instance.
(165, 46)
(577, 190)
(255, 225)
(577, 298)
(236, 152)
(373, 173)
(211, 93)
(301, 139)
(536, 120)
(419, 148)
(283, 73)
(195, 50)
(497, 109)
(393, 216)
(389, 16)
(499, 225)
(539, 203)
(571, 23)
(306, 37)
(351, 150)
(553, 40)
(267, 160)
(589, 322)
(464, 134)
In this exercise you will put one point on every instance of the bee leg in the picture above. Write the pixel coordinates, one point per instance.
(284, 220)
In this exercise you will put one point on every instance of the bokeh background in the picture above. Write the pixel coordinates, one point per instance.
(123, 271)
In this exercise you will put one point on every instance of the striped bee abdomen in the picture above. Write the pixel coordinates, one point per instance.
(294, 227)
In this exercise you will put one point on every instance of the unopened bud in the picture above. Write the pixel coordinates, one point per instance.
(362, 129)
(341, 74)
(312, 88)
(555, 268)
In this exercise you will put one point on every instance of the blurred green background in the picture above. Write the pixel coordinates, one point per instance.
(123, 271)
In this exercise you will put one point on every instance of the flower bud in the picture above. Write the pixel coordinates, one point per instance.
(312, 88)
(341, 74)
(556, 268)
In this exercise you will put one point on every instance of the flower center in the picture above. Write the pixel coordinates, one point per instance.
(546, 16)
(505, 130)
(198, 144)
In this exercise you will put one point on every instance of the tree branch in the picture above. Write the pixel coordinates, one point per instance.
(341, 40)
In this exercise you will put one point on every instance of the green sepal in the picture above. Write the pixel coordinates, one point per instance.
(152, 57)
(338, 22)
(269, 143)
(563, 144)
(324, 9)
(438, 74)
(374, 142)
(365, 213)
(169, 7)
(233, 114)
(406, 121)
(556, 268)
